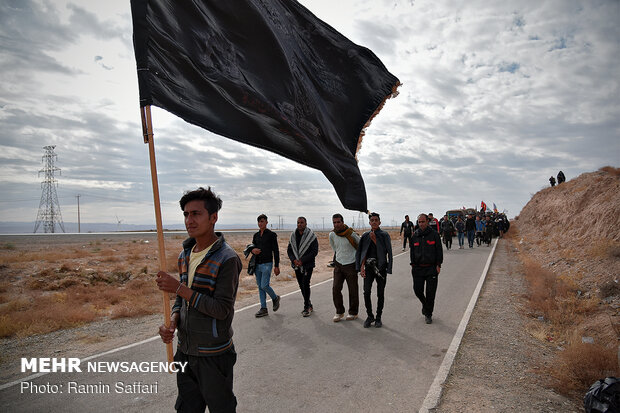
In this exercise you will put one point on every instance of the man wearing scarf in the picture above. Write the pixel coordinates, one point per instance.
(302, 249)
(344, 242)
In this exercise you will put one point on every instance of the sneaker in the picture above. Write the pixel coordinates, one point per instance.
(305, 313)
(338, 317)
(351, 317)
(429, 319)
(262, 312)
(369, 322)
(310, 309)
(378, 323)
(276, 303)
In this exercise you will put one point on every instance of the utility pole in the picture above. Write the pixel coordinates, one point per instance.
(78, 200)
(323, 223)
(49, 209)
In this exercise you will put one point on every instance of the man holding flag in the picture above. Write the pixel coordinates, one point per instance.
(204, 308)
(266, 73)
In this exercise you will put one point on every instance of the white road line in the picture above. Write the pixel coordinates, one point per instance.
(105, 353)
(434, 393)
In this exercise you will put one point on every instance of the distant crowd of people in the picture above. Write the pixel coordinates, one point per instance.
(479, 228)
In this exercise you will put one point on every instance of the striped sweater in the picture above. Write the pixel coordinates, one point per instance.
(205, 323)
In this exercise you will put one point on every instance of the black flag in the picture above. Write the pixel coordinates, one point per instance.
(267, 73)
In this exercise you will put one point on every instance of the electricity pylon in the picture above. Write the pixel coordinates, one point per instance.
(49, 209)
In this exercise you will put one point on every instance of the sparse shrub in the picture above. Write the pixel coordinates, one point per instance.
(611, 170)
(133, 309)
(65, 268)
(555, 297)
(8, 246)
(581, 364)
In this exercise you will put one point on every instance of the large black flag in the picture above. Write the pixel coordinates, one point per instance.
(263, 72)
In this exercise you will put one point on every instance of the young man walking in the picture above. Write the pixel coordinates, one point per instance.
(302, 249)
(470, 229)
(267, 256)
(374, 261)
(407, 228)
(460, 231)
(426, 256)
(344, 241)
(204, 308)
(447, 228)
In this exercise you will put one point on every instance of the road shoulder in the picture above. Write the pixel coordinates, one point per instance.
(496, 366)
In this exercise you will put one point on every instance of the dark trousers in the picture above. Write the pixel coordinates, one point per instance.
(488, 237)
(406, 237)
(470, 237)
(425, 276)
(303, 279)
(447, 237)
(207, 381)
(368, 280)
(478, 237)
(346, 273)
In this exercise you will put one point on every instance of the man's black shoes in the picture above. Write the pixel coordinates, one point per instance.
(378, 323)
(262, 313)
(429, 319)
(276, 303)
(369, 322)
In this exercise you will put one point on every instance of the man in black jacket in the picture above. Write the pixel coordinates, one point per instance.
(267, 256)
(407, 227)
(470, 229)
(447, 229)
(426, 257)
(302, 249)
(373, 259)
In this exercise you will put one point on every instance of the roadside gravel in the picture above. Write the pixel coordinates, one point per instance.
(497, 366)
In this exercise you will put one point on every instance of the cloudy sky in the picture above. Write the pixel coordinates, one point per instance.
(496, 97)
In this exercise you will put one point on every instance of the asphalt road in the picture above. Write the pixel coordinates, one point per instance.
(287, 363)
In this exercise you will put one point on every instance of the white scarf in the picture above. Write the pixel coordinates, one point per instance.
(306, 239)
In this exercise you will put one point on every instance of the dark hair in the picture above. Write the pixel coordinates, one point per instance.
(213, 203)
(337, 216)
(423, 215)
(304, 218)
(262, 216)
(374, 214)
(406, 216)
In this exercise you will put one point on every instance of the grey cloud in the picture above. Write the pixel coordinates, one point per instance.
(83, 21)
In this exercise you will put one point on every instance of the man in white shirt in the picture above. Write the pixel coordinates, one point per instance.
(344, 242)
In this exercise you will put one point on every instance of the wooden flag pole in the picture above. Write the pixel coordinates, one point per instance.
(147, 129)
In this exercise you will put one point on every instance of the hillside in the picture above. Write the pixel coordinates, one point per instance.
(568, 238)
(574, 229)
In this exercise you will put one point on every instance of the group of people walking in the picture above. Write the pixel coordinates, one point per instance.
(208, 281)
(479, 228)
(369, 255)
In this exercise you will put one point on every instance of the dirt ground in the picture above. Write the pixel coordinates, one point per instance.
(498, 367)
